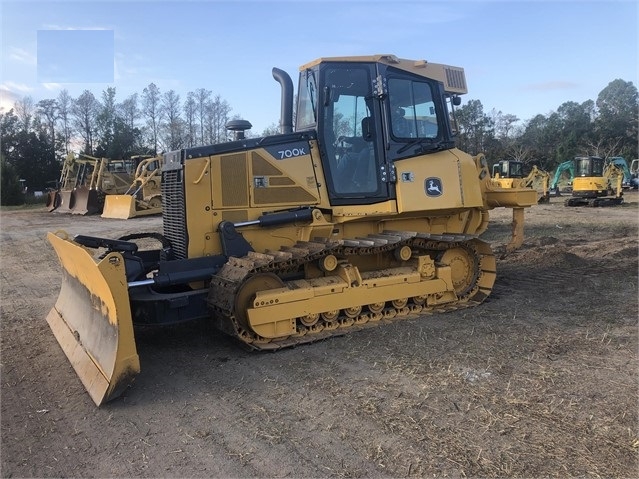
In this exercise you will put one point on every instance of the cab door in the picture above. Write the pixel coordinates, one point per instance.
(349, 127)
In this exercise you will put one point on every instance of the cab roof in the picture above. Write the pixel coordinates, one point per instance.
(453, 78)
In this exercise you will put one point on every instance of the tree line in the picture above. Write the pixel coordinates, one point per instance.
(607, 126)
(36, 137)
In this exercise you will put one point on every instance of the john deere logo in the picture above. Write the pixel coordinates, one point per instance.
(433, 186)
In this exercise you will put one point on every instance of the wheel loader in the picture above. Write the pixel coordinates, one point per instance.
(360, 213)
(510, 173)
(144, 196)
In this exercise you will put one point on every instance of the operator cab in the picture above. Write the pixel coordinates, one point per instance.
(508, 169)
(367, 116)
(586, 166)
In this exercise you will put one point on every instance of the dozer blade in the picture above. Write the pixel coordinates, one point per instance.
(53, 200)
(87, 202)
(119, 207)
(92, 319)
(66, 201)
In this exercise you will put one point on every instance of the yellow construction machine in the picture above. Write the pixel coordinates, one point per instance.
(510, 174)
(361, 213)
(596, 182)
(86, 180)
(144, 196)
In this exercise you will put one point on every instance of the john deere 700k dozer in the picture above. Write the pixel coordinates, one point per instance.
(363, 212)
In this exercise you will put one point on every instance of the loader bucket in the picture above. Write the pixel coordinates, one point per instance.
(87, 201)
(92, 321)
(67, 201)
(119, 206)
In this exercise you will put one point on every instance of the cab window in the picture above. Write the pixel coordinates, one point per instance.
(348, 131)
(306, 101)
(413, 113)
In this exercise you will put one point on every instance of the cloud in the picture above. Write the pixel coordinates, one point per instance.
(22, 56)
(52, 86)
(10, 93)
(7, 99)
(13, 87)
(552, 86)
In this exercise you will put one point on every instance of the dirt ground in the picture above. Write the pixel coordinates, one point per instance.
(539, 381)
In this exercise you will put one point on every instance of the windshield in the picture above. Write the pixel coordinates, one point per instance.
(589, 166)
(516, 169)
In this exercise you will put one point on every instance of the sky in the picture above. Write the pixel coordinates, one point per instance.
(520, 57)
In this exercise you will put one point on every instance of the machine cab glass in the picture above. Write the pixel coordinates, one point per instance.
(367, 116)
(349, 132)
(591, 166)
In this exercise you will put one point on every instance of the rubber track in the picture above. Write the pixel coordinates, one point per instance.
(225, 285)
(593, 202)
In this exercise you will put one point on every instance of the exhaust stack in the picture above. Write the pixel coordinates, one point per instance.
(286, 115)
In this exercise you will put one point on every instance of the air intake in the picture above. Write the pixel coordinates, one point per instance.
(455, 80)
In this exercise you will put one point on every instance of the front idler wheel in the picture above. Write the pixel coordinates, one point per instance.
(246, 295)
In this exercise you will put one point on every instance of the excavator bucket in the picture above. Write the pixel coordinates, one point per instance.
(119, 207)
(87, 201)
(92, 321)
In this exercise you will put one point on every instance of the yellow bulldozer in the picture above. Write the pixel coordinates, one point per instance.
(86, 180)
(510, 173)
(144, 196)
(360, 213)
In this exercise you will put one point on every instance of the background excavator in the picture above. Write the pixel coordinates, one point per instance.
(144, 196)
(565, 167)
(621, 163)
(86, 180)
(596, 182)
(296, 237)
(510, 173)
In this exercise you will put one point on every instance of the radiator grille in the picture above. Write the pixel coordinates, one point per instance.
(174, 211)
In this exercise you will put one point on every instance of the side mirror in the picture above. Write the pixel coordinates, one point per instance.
(456, 100)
